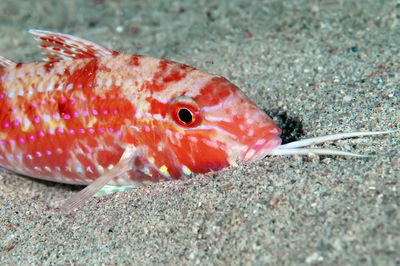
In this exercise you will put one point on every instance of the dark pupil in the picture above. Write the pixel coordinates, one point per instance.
(185, 115)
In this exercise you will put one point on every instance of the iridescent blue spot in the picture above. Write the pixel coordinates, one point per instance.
(1, 96)
(76, 114)
(91, 130)
(72, 131)
(46, 118)
(16, 123)
(146, 171)
(95, 112)
(186, 170)
(67, 116)
(119, 133)
(85, 113)
(56, 116)
(37, 119)
(41, 133)
(48, 152)
(80, 86)
(82, 130)
(69, 86)
(61, 130)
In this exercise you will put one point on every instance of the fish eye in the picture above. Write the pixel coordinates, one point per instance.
(185, 112)
(185, 115)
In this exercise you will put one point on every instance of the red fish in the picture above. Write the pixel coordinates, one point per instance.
(92, 116)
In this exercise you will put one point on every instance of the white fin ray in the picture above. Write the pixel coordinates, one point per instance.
(5, 62)
(124, 164)
(58, 46)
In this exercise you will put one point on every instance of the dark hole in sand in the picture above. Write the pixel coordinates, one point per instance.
(292, 127)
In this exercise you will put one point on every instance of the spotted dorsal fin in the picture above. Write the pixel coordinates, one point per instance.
(5, 62)
(58, 46)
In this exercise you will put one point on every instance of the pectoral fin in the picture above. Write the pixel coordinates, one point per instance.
(124, 164)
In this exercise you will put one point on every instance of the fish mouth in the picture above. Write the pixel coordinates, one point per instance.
(262, 149)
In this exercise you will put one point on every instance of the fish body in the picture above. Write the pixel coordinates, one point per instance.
(71, 118)
(92, 116)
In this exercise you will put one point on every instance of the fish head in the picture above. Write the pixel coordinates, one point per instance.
(217, 125)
